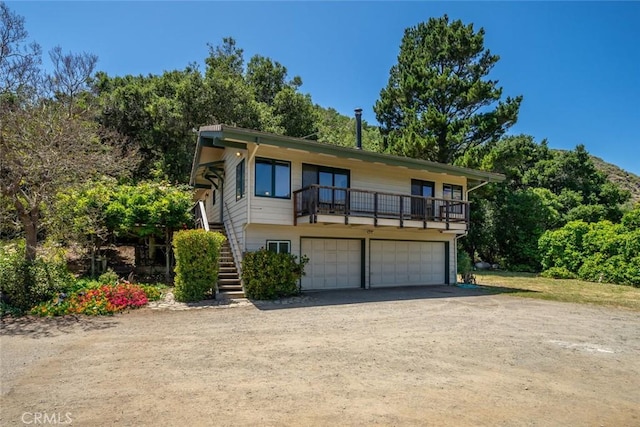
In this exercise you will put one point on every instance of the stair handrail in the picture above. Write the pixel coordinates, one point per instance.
(233, 240)
(200, 215)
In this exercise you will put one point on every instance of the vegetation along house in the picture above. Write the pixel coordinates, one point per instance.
(364, 219)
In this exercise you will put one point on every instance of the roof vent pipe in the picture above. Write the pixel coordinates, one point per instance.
(359, 128)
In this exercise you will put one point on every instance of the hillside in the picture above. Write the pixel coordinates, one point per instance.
(624, 179)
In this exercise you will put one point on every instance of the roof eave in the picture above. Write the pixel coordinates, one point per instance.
(223, 135)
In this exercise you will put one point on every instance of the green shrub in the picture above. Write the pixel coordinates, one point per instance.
(598, 252)
(24, 284)
(464, 262)
(84, 284)
(558, 273)
(616, 269)
(152, 292)
(9, 310)
(109, 277)
(196, 253)
(563, 247)
(269, 275)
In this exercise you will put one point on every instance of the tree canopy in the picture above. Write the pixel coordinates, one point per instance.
(46, 144)
(438, 102)
(544, 190)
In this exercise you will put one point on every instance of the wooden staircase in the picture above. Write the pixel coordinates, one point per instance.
(229, 285)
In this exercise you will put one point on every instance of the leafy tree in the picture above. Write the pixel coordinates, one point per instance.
(42, 148)
(585, 192)
(513, 156)
(80, 216)
(294, 113)
(631, 219)
(268, 78)
(521, 217)
(93, 213)
(230, 100)
(562, 186)
(9, 222)
(334, 128)
(438, 103)
(156, 115)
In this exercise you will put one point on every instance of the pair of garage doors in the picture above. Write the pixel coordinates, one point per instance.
(339, 263)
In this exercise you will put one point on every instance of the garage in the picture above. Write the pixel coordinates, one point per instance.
(407, 263)
(333, 263)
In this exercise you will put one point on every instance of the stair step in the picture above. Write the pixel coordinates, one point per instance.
(222, 288)
(232, 294)
(229, 284)
(229, 287)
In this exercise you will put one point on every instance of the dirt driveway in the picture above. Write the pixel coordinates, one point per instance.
(439, 356)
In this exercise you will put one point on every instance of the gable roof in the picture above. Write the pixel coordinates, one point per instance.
(223, 136)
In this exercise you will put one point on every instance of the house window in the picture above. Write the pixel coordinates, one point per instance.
(279, 246)
(213, 197)
(332, 199)
(240, 189)
(422, 208)
(273, 178)
(453, 192)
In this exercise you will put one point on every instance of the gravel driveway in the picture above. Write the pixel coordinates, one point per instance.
(428, 356)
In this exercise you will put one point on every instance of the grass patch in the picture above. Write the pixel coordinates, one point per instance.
(529, 285)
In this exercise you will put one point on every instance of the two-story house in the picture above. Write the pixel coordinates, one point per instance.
(364, 219)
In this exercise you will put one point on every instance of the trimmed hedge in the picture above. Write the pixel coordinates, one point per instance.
(197, 253)
(269, 275)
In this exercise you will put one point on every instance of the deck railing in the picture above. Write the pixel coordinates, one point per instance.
(348, 202)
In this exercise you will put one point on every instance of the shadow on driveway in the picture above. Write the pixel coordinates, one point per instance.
(41, 327)
(360, 296)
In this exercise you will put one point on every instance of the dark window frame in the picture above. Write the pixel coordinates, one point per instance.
(456, 209)
(240, 180)
(273, 163)
(278, 243)
(334, 200)
(420, 208)
(328, 169)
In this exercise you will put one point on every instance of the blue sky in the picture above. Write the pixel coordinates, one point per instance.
(577, 64)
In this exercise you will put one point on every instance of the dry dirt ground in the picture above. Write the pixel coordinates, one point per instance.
(436, 356)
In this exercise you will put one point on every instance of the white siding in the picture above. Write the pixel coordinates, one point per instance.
(267, 210)
(234, 209)
(364, 176)
(258, 234)
(213, 211)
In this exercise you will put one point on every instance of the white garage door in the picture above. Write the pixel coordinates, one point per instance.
(399, 263)
(333, 264)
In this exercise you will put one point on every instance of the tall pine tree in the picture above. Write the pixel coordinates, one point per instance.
(438, 102)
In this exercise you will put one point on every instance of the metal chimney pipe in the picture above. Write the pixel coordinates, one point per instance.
(359, 128)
